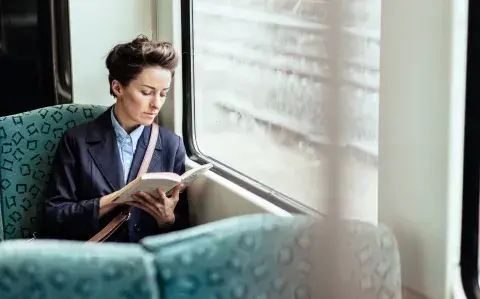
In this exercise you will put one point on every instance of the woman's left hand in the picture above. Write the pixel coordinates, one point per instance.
(159, 205)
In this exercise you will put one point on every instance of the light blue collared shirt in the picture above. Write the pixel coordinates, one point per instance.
(127, 144)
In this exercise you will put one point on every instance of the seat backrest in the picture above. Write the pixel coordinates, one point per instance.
(51, 269)
(253, 256)
(28, 142)
(266, 256)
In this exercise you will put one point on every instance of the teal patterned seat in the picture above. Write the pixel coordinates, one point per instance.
(254, 256)
(28, 142)
(59, 270)
(266, 256)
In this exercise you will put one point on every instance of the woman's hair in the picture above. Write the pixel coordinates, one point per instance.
(126, 61)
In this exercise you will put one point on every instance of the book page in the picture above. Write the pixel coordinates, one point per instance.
(149, 182)
(190, 176)
(170, 176)
(148, 185)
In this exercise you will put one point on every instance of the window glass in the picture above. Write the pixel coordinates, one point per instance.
(262, 72)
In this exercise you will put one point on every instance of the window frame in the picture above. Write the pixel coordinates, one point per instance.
(188, 129)
(471, 166)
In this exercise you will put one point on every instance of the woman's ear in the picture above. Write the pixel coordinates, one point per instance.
(117, 88)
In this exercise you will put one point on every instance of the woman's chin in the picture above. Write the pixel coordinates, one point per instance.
(146, 121)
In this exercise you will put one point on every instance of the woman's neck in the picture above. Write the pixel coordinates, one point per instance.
(122, 119)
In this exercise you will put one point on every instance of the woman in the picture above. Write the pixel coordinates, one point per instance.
(95, 159)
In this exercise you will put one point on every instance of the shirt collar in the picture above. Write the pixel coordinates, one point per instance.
(122, 135)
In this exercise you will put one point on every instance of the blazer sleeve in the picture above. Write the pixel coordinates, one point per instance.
(181, 210)
(66, 216)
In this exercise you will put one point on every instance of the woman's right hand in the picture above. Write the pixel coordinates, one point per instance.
(106, 204)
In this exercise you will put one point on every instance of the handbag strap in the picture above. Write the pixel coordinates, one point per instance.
(116, 222)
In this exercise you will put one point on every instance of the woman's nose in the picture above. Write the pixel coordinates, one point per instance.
(157, 101)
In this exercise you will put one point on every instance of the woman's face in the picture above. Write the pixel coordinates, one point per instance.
(139, 102)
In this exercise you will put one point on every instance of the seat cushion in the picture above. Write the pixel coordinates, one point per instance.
(28, 142)
(47, 269)
(241, 257)
(267, 256)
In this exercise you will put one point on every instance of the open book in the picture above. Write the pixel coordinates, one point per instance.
(149, 182)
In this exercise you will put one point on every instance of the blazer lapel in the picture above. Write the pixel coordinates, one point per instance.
(140, 153)
(104, 152)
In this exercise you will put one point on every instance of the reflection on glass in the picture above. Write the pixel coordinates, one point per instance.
(262, 75)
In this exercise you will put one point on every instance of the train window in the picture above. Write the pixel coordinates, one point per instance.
(261, 74)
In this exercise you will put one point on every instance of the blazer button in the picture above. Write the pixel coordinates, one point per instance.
(136, 228)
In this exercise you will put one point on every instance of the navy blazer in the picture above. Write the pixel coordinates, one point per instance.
(87, 166)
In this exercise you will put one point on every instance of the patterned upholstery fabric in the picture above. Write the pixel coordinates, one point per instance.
(264, 256)
(253, 256)
(28, 142)
(60, 270)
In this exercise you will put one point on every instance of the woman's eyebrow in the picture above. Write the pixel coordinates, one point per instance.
(166, 88)
(148, 86)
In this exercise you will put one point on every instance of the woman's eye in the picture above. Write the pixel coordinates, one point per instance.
(146, 93)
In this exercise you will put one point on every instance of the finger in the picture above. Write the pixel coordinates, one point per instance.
(136, 203)
(149, 201)
(162, 194)
(140, 206)
(140, 196)
(147, 209)
(145, 206)
(183, 188)
(149, 198)
(154, 208)
(138, 199)
(146, 195)
(141, 202)
(176, 193)
(171, 193)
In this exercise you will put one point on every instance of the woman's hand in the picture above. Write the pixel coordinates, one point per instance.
(106, 204)
(160, 206)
